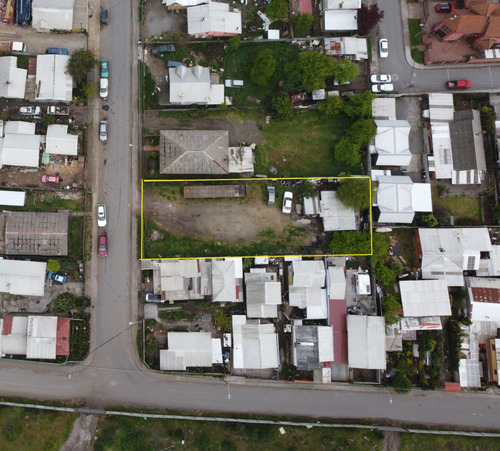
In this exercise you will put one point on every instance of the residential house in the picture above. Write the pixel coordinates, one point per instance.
(480, 21)
(60, 142)
(337, 310)
(312, 346)
(335, 215)
(398, 199)
(446, 253)
(23, 278)
(347, 46)
(194, 85)
(190, 350)
(255, 345)
(19, 145)
(263, 293)
(470, 369)
(425, 298)
(392, 145)
(340, 15)
(13, 78)
(484, 297)
(366, 342)
(53, 81)
(306, 288)
(51, 15)
(175, 5)
(213, 19)
(227, 280)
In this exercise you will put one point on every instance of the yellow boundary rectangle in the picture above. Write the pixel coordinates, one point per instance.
(254, 180)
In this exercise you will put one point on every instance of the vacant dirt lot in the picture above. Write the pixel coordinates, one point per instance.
(220, 219)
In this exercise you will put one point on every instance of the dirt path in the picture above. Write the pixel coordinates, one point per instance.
(82, 435)
(392, 441)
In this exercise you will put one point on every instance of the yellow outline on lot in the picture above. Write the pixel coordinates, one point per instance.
(255, 179)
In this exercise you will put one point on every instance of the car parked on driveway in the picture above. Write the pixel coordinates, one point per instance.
(103, 131)
(51, 179)
(56, 277)
(445, 7)
(386, 87)
(458, 84)
(380, 78)
(151, 297)
(30, 110)
(104, 68)
(383, 48)
(287, 202)
(102, 248)
(103, 88)
(161, 49)
(101, 215)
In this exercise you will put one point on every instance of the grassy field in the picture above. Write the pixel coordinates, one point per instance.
(75, 243)
(464, 209)
(118, 433)
(25, 429)
(49, 201)
(424, 442)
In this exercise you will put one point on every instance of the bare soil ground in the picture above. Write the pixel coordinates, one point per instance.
(220, 219)
(82, 435)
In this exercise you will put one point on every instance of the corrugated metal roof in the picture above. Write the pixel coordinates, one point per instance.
(41, 337)
(186, 350)
(20, 127)
(366, 342)
(13, 78)
(213, 17)
(425, 298)
(336, 216)
(263, 295)
(441, 107)
(53, 82)
(308, 273)
(24, 278)
(384, 108)
(224, 281)
(337, 282)
(337, 319)
(14, 336)
(470, 373)
(392, 143)
(60, 142)
(63, 331)
(20, 150)
(53, 14)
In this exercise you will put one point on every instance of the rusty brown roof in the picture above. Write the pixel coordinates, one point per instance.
(493, 29)
(466, 22)
(481, 294)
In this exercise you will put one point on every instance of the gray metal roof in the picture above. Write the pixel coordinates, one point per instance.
(187, 350)
(41, 337)
(60, 142)
(263, 295)
(467, 141)
(53, 82)
(425, 298)
(53, 14)
(24, 278)
(366, 342)
(312, 345)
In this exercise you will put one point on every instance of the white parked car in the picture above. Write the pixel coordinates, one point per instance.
(101, 215)
(287, 202)
(380, 78)
(103, 87)
(103, 131)
(387, 87)
(383, 48)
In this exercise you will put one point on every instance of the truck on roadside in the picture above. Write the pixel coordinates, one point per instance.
(58, 110)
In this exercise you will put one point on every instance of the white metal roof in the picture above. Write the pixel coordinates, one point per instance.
(263, 295)
(41, 337)
(273, 34)
(224, 281)
(314, 299)
(366, 342)
(53, 81)
(384, 108)
(337, 282)
(308, 273)
(190, 85)
(60, 142)
(340, 4)
(186, 350)
(392, 143)
(20, 127)
(470, 373)
(13, 84)
(340, 19)
(255, 345)
(53, 14)
(12, 198)
(425, 298)
(442, 162)
(441, 107)
(325, 343)
(213, 18)
(24, 278)
(20, 150)
(14, 341)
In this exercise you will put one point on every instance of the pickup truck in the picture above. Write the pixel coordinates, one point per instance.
(58, 110)
(30, 110)
(458, 84)
(166, 48)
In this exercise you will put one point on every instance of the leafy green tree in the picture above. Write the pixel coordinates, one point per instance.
(391, 306)
(48, 119)
(282, 104)
(277, 10)
(81, 62)
(347, 151)
(90, 90)
(360, 105)
(344, 70)
(384, 275)
(234, 43)
(380, 248)
(349, 243)
(331, 106)
(263, 67)
(53, 265)
(64, 303)
(222, 321)
(354, 193)
(401, 384)
(310, 70)
(426, 220)
(362, 131)
(302, 24)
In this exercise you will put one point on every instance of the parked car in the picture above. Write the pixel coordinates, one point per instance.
(298, 97)
(30, 110)
(102, 248)
(104, 16)
(387, 87)
(51, 179)
(271, 195)
(56, 51)
(287, 202)
(234, 83)
(151, 297)
(380, 78)
(444, 7)
(104, 68)
(58, 110)
(101, 215)
(103, 131)
(383, 48)
(19, 47)
(161, 49)
(176, 64)
(458, 84)
(103, 88)
(56, 277)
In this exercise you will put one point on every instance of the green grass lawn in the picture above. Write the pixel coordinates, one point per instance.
(421, 442)
(49, 201)
(25, 429)
(118, 433)
(464, 209)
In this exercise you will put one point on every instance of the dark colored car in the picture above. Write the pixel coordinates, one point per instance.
(166, 48)
(56, 51)
(458, 84)
(104, 16)
(445, 7)
(102, 249)
(175, 64)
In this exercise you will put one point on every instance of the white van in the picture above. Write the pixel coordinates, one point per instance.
(234, 83)
(17, 46)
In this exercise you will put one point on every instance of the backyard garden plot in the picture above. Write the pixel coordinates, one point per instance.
(233, 218)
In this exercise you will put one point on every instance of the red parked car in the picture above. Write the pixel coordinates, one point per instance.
(102, 249)
(445, 7)
(458, 84)
(51, 179)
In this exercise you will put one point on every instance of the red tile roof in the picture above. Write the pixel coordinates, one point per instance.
(466, 22)
(62, 340)
(481, 294)
(7, 325)
(305, 6)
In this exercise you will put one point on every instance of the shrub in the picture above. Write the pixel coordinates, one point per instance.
(64, 303)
